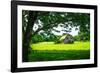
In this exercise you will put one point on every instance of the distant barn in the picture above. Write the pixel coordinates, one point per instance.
(67, 38)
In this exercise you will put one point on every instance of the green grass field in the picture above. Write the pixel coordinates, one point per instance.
(48, 51)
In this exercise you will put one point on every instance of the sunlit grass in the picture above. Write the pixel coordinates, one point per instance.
(49, 51)
(52, 46)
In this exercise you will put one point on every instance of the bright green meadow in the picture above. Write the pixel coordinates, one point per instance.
(49, 51)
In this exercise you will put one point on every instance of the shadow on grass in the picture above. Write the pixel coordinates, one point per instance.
(53, 55)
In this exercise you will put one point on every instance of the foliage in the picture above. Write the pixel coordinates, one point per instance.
(43, 37)
(83, 36)
(77, 38)
(46, 21)
(37, 38)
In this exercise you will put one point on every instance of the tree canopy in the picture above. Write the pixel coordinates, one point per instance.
(46, 21)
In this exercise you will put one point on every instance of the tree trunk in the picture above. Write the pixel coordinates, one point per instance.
(27, 36)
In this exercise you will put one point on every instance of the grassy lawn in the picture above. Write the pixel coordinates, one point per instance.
(52, 46)
(48, 51)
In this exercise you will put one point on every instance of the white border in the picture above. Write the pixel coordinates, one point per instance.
(53, 63)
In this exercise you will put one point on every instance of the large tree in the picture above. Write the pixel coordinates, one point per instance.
(46, 21)
(27, 31)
